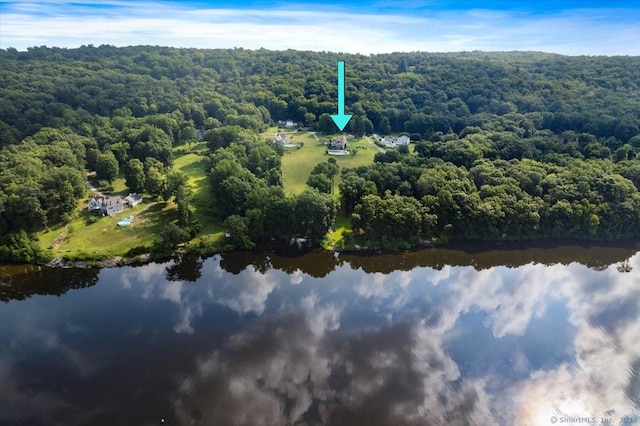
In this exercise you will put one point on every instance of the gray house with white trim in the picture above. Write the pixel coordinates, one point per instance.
(111, 204)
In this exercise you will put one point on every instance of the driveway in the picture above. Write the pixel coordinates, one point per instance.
(93, 189)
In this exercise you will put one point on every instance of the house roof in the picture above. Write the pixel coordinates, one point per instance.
(133, 196)
(281, 137)
(401, 140)
(107, 200)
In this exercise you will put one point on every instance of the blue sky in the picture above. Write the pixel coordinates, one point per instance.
(360, 26)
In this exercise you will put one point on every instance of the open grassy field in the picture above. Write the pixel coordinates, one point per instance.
(119, 186)
(297, 163)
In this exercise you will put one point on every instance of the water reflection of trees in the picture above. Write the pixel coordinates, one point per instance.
(18, 282)
(317, 263)
(22, 282)
(480, 255)
(185, 268)
(624, 266)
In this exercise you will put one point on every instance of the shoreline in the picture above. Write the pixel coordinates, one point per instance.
(61, 262)
(469, 246)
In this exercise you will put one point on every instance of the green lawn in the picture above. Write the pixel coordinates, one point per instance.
(103, 239)
(119, 186)
(297, 164)
(341, 227)
(194, 166)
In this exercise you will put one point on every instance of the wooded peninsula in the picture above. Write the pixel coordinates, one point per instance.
(230, 147)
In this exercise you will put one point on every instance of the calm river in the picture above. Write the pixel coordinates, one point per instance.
(467, 336)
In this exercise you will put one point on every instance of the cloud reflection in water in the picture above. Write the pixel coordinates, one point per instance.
(315, 359)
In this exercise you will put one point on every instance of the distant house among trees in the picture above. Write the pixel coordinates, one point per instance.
(289, 124)
(338, 147)
(339, 144)
(285, 141)
(391, 142)
(281, 137)
(111, 204)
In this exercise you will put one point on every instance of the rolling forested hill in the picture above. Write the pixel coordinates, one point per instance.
(415, 92)
(506, 145)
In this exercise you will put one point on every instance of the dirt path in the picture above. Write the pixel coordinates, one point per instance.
(60, 239)
(147, 207)
(93, 189)
(373, 143)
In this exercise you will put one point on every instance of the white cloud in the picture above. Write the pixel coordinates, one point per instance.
(172, 291)
(296, 277)
(372, 285)
(579, 31)
(47, 332)
(320, 320)
(250, 293)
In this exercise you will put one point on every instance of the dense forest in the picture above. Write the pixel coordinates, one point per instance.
(507, 145)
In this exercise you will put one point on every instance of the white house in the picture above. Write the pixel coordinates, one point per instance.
(338, 147)
(339, 144)
(403, 140)
(95, 204)
(289, 124)
(391, 142)
(110, 204)
(285, 141)
(281, 137)
(106, 204)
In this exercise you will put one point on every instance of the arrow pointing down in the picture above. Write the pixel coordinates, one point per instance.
(341, 119)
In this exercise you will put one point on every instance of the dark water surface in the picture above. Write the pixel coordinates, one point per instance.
(458, 336)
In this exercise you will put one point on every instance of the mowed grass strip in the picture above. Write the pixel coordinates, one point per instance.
(195, 166)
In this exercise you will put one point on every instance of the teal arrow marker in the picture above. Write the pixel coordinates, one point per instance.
(341, 119)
